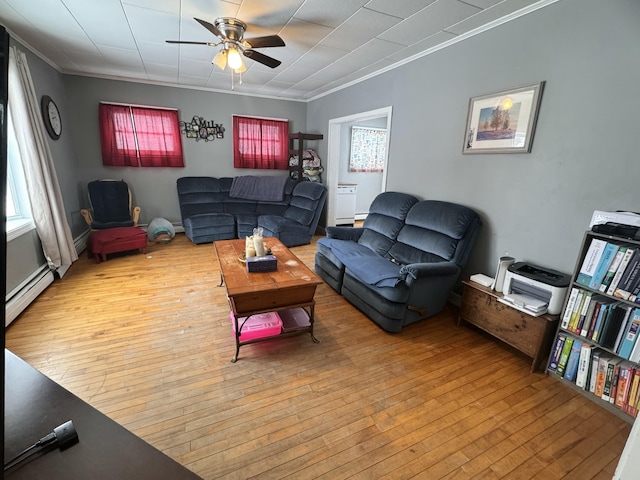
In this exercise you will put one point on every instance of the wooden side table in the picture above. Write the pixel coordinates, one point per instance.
(530, 335)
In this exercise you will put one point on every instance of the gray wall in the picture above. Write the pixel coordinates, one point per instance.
(154, 189)
(535, 206)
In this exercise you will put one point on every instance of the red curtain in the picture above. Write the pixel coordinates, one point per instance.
(117, 138)
(138, 136)
(260, 143)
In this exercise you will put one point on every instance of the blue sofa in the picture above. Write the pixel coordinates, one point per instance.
(400, 266)
(211, 212)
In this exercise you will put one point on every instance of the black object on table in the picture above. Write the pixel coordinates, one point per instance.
(35, 405)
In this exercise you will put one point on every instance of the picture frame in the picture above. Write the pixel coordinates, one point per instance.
(503, 122)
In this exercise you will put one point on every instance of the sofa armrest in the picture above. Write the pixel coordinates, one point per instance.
(417, 271)
(344, 233)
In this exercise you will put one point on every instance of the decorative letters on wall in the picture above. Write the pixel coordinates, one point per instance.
(202, 129)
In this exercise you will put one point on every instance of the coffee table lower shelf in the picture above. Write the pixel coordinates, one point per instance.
(308, 308)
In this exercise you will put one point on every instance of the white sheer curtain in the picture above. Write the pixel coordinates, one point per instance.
(42, 182)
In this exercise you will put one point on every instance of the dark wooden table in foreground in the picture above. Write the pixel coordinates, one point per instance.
(35, 405)
(292, 285)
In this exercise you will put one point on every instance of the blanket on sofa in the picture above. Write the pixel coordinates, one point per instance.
(366, 265)
(262, 189)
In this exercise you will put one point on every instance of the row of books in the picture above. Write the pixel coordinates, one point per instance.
(612, 269)
(612, 324)
(592, 369)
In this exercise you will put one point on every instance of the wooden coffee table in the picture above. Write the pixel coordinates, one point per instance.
(292, 285)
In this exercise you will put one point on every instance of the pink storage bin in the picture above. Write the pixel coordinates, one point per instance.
(258, 326)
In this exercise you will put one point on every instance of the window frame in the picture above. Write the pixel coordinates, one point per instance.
(121, 136)
(21, 221)
(256, 156)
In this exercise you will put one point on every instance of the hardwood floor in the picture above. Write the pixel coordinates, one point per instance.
(146, 339)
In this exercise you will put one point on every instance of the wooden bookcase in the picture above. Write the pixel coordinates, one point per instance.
(296, 147)
(565, 328)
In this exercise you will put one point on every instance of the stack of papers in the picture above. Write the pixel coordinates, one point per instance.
(525, 303)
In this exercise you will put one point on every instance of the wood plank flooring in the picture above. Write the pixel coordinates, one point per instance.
(146, 339)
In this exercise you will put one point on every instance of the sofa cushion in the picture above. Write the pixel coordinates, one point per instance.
(385, 220)
(304, 202)
(430, 235)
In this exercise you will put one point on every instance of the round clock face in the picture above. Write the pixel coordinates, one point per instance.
(51, 117)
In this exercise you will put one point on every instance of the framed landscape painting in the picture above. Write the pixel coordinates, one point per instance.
(503, 122)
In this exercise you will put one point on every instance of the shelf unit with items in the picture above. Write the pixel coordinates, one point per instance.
(296, 148)
(596, 350)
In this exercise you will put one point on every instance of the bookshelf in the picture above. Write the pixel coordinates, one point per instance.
(595, 350)
(296, 147)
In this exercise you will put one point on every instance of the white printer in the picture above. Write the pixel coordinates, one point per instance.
(534, 290)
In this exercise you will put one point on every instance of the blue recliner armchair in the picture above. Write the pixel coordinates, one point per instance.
(401, 265)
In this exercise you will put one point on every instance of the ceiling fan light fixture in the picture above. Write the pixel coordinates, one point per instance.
(220, 60)
(241, 68)
(234, 58)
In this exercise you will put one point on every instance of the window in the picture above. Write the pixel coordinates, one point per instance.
(140, 136)
(368, 147)
(18, 208)
(260, 143)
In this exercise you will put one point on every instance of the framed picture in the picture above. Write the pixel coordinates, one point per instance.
(503, 122)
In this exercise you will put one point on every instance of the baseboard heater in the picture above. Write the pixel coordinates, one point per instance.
(25, 293)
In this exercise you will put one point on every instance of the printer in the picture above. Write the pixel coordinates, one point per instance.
(534, 290)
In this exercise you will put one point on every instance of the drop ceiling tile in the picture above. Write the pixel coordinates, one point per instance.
(267, 16)
(422, 45)
(193, 80)
(167, 6)
(159, 53)
(335, 72)
(304, 33)
(161, 73)
(294, 74)
(484, 3)
(361, 27)
(330, 13)
(208, 10)
(152, 25)
(103, 13)
(428, 21)
(489, 15)
(318, 57)
(402, 9)
(196, 69)
(370, 52)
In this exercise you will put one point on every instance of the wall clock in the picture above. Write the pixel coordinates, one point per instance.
(51, 117)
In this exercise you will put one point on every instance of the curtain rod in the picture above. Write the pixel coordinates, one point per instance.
(261, 118)
(139, 106)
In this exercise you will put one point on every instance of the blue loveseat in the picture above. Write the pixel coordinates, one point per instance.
(401, 265)
(211, 210)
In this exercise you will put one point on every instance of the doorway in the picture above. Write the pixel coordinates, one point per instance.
(337, 159)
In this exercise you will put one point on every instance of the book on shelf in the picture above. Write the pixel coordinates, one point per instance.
(615, 383)
(584, 365)
(577, 310)
(611, 326)
(554, 358)
(568, 309)
(590, 262)
(601, 320)
(630, 405)
(608, 380)
(588, 319)
(564, 356)
(635, 352)
(623, 327)
(571, 370)
(631, 334)
(586, 301)
(593, 371)
(608, 254)
(613, 268)
(624, 384)
(601, 373)
(620, 271)
(630, 278)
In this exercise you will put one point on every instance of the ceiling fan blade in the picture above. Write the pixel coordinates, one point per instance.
(262, 58)
(266, 41)
(192, 43)
(210, 26)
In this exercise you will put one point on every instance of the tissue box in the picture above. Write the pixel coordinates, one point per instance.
(266, 263)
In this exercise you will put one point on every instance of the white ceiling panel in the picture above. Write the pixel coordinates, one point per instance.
(330, 13)
(402, 9)
(362, 26)
(329, 43)
(429, 21)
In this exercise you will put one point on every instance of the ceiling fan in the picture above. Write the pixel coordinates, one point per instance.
(231, 33)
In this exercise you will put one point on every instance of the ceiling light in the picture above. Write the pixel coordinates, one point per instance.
(234, 58)
(242, 68)
(220, 60)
